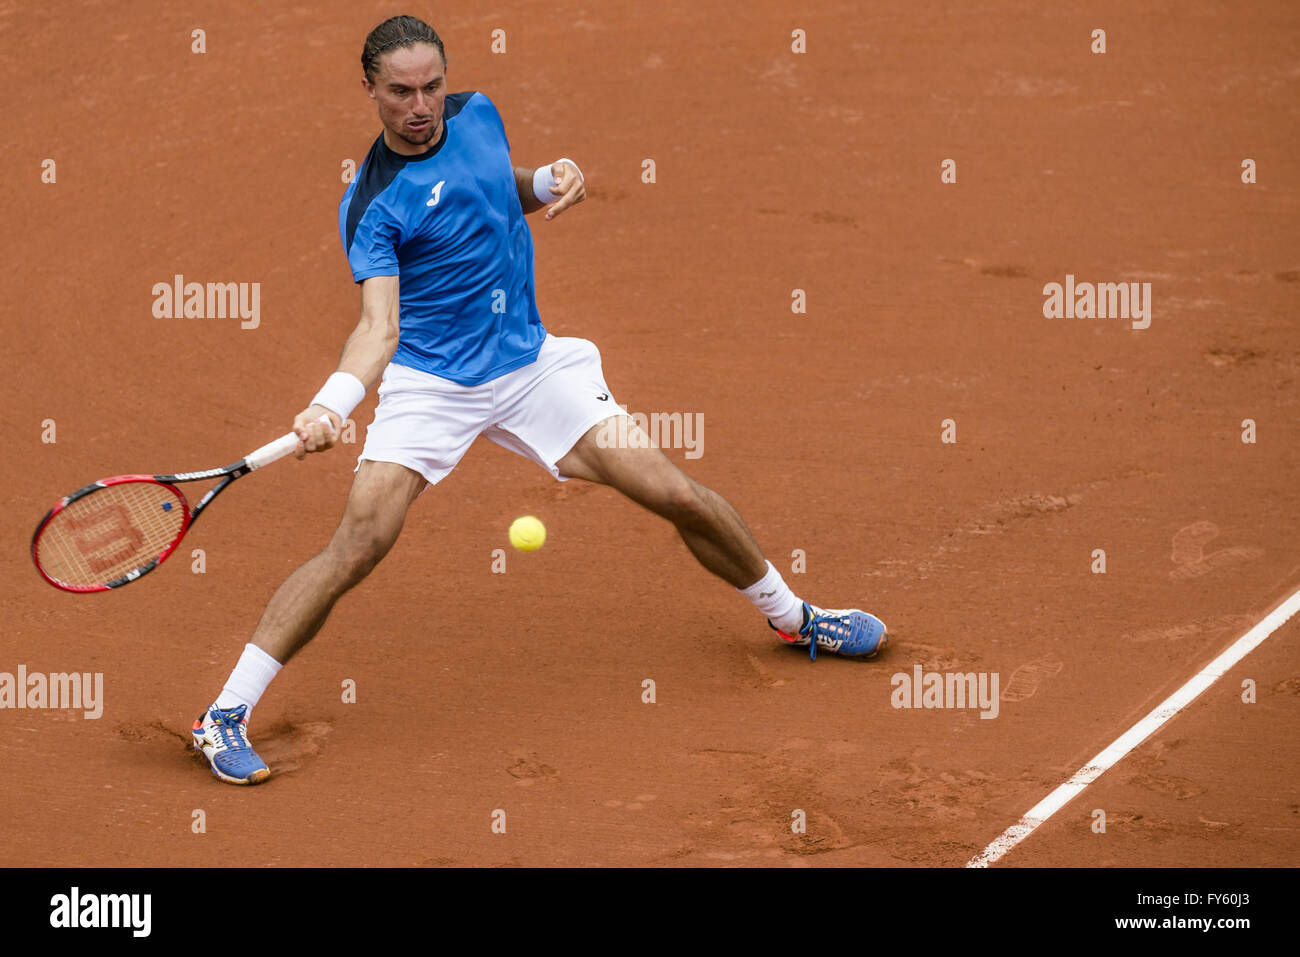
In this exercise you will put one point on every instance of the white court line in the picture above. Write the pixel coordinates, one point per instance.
(1135, 735)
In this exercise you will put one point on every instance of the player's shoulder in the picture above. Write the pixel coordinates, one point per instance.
(376, 173)
(379, 163)
(455, 102)
(369, 196)
(471, 103)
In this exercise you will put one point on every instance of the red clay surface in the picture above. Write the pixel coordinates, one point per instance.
(478, 691)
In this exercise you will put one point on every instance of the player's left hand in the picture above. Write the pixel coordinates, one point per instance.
(569, 187)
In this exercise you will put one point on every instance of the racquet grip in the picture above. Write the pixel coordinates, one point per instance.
(274, 451)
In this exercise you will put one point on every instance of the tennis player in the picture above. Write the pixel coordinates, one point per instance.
(434, 231)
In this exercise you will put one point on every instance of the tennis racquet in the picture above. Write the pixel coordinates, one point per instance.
(116, 530)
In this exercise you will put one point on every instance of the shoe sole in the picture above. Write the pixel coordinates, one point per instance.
(257, 777)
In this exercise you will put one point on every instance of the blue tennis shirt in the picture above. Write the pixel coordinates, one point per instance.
(448, 222)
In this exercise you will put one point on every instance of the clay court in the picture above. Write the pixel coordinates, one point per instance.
(775, 171)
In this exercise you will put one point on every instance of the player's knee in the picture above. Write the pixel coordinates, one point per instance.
(359, 562)
(682, 502)
(355, 556)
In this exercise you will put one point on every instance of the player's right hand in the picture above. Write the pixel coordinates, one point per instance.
(313, 434)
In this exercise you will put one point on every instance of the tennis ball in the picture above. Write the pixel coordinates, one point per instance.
(527, 534)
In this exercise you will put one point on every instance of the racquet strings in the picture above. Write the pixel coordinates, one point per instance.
(110, 532)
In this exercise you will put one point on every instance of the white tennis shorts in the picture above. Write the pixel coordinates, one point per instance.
(427, 423)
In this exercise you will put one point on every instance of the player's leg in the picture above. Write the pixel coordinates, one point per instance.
(717, 536)
(709, 525)
(376, 508)
(554, 412)
(377, 505)
(423, 426)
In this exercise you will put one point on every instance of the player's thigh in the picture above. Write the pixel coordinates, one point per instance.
(641, 472)
(382, 492)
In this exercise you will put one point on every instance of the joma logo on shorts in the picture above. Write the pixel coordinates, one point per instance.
(214, 300)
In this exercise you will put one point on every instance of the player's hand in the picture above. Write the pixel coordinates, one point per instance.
(569, 187)
(313, 434)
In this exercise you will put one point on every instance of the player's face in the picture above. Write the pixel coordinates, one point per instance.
(410, 85)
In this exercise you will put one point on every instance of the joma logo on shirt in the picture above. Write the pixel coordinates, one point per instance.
(437, 194)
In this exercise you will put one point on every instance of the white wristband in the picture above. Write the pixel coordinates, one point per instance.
(565, 159)
(341, 393)
(542, 183)
(544, 179)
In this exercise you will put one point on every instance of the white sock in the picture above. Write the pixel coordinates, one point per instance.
(248, 681)
(773, 597)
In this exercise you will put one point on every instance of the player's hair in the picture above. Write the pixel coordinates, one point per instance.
(396, 32)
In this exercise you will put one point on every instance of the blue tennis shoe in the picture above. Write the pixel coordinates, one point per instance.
(222, 736)
(848, 632)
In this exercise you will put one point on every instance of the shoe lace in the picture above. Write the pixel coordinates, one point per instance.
(232, 729)
(829, 630)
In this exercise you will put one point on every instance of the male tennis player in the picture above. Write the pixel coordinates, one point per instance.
(433, 227)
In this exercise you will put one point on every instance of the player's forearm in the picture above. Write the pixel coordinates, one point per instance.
(368, 349)
(374, 340)
(366, 352)
(524, 184)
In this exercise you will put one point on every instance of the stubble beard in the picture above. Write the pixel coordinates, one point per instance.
(422, 139)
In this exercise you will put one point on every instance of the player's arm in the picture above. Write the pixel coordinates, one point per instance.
(365, 354)
(565, 186)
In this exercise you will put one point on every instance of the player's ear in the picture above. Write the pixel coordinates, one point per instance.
(368, 87)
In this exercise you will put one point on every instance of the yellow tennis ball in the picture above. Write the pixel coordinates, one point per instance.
(527, 534)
